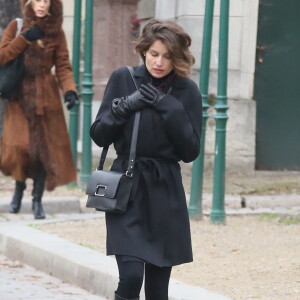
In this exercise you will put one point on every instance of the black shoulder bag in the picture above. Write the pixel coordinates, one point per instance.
(11, 74)
(109, 191)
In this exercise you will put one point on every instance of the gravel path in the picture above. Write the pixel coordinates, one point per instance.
(252, 257)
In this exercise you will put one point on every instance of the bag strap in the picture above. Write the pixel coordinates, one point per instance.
(20, 25)
(132, 154)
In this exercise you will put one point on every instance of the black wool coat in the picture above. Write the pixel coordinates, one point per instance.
(155, 227)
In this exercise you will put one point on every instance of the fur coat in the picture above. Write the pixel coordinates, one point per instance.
(34, 129)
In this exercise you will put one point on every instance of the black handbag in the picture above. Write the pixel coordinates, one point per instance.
(109, 191)
(11, 74)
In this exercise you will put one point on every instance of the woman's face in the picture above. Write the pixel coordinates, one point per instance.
(158, 61)
(40, 7)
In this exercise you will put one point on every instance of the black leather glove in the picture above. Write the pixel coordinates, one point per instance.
(71, 98)
(125, 106)
(33, 34)
(152, 94)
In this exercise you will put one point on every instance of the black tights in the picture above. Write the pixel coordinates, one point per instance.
(131, 274)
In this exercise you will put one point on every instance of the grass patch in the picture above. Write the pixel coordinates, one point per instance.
(268, 217)
(289, 220)
(35, 226)
(279, 187)
(87, 246)
(72, 186)
(4, 217)
(286, 220)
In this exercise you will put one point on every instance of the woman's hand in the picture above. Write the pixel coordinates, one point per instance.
(152, 94)
(125, 106)
(134, 101)
(71, 98)
(33, 34)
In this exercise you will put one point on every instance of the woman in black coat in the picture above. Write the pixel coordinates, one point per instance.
(154, 233)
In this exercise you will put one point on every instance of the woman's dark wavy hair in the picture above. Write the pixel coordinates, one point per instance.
(176, 40)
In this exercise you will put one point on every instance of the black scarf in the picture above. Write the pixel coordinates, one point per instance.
(164, 83)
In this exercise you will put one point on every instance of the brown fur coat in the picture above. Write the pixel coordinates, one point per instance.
(34, 129)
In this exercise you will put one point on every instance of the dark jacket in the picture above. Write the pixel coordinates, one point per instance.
(155, 227)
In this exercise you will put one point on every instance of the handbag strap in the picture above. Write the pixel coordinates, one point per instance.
(132, 154)
(19, 25)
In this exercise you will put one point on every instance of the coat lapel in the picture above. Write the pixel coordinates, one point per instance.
(140, 74)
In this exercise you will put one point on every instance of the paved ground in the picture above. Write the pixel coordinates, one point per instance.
(21, 282)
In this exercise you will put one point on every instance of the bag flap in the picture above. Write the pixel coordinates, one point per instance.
(104, 183)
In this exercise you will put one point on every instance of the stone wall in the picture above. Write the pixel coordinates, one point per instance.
(113, 39)
(69, 22)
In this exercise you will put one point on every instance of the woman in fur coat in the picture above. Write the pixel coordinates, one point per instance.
(35, 142)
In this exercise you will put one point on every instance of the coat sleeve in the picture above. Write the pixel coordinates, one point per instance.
(11, 46)
(107, 126)
(63, 68)
(182, 120)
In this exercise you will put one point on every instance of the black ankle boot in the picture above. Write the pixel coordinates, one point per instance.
(38, 210)
(15, 204)
(117, 297)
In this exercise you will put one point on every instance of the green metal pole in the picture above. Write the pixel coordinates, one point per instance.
(73, 125)
(218, 211)
(87, 94)
(195, 205)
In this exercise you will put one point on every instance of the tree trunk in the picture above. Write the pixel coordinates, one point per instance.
(10, 9)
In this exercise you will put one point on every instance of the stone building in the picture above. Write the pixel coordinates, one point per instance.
(263, 90)
(190, 14)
